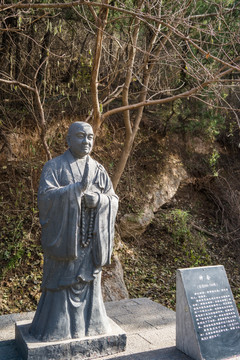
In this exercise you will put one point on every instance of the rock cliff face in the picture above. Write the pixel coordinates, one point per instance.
(188, 163)
(162, 188)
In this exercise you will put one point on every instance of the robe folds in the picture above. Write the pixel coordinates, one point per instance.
(71, 304)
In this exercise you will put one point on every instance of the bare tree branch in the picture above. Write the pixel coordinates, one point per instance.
(185, 94)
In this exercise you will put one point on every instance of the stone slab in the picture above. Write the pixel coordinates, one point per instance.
(90, 347)
(207, 323)
(155, 343)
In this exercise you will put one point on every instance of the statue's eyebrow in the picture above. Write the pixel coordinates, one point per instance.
(84, 133)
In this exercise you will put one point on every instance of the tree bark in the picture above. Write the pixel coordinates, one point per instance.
(44, 56)
(129, 136)
(132, 132)
(101, 21)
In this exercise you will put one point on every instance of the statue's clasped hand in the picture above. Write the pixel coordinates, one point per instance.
(91, 199)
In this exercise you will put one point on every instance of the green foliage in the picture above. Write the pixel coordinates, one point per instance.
(16, 216)
(12, 235)
(209, 123)
(213, 160)
(194, 118)
(178, 224)
(20, 252)
(83, 77)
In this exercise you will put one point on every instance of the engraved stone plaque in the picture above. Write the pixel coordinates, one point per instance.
(207, 320)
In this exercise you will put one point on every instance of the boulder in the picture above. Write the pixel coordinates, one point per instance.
(113, 286)
(163, 187)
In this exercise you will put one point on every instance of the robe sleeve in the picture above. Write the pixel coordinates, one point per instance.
(103, 236)
(59, 209)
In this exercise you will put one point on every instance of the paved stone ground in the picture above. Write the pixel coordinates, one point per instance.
(150, 329)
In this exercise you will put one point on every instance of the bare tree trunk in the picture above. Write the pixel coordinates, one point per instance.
(132, 131)
(129, 137)
(42, 123)
(101, 21)
(148, 65)
(44, 56)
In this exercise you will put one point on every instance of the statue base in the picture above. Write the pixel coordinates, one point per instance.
(85, 348)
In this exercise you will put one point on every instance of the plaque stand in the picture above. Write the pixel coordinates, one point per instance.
(186, 339)
(207, 319)
(85, 348)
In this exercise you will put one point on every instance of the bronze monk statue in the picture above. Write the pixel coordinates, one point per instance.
(77, 209)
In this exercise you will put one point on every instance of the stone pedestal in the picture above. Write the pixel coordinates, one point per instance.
(85, 348)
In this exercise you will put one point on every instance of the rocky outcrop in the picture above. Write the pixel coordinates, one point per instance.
(113, 286)
(162, 188)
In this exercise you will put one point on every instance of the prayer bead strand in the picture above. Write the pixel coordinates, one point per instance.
(86, 242)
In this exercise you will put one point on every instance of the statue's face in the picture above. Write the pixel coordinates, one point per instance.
(80, 139)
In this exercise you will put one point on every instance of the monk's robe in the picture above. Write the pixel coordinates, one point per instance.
(71, 304)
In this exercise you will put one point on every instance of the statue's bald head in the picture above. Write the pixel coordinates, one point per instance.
(80, 138)
(78, 125)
